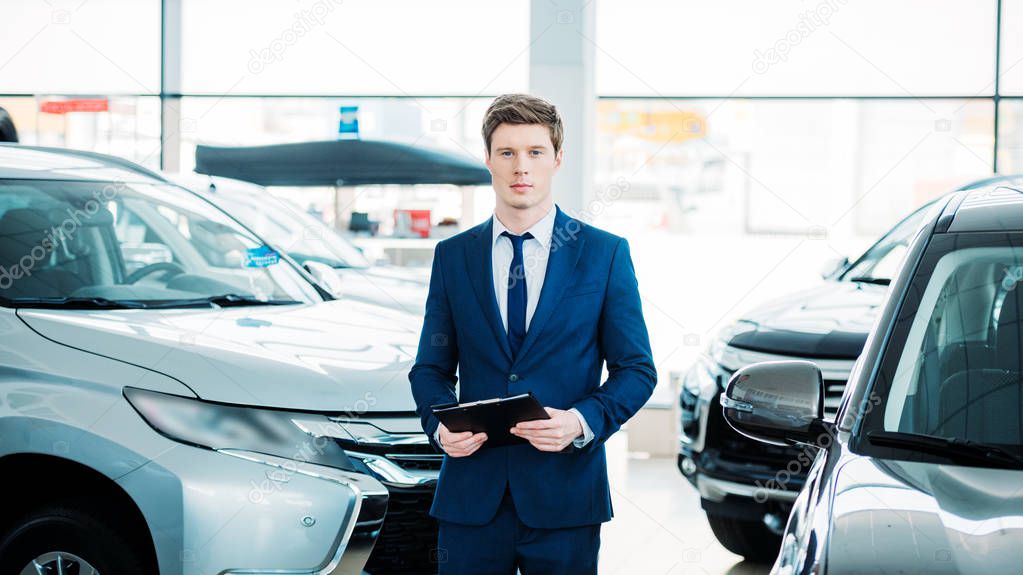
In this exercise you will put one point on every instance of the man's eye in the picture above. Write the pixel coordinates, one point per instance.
(506, 154)
(537, 152)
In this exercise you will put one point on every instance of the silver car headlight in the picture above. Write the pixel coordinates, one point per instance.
(226, 427)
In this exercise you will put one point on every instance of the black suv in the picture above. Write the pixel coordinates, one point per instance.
(747, 487)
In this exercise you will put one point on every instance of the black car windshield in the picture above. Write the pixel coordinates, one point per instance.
(954, 368)
(879, 263)
(110, 244)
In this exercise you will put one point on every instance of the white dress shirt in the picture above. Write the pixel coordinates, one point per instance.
(535, 253)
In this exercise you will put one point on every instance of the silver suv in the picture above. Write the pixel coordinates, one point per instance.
(177, 396)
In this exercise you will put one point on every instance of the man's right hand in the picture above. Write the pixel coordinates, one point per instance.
(461, 444)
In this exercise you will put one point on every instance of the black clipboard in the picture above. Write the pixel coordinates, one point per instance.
(491, 416)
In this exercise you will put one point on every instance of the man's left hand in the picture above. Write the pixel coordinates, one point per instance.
(554, 434)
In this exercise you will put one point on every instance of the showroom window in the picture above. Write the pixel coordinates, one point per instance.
(768, 166)
(799, 118)
(751, 125)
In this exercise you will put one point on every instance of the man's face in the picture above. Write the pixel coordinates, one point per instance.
(523, 163)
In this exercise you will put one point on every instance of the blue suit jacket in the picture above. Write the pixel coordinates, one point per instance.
(589, 312)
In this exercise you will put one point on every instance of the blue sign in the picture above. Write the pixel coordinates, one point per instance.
(348, 128)
(261, 257)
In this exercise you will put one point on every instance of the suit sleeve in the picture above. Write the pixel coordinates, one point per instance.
(433, 375)
(625, 346)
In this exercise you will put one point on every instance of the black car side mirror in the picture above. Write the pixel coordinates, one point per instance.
(777, 402)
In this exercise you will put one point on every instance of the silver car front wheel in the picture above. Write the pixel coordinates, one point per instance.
(59, 563)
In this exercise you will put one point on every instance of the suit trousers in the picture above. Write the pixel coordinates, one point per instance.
(505, 544)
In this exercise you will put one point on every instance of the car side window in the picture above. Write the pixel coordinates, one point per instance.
(960, 367)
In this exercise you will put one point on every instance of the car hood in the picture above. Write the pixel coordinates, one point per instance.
(901, 517)
(340, 356)
(827, 322)
(403, 290)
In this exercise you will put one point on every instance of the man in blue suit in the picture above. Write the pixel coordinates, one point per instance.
(530, 300)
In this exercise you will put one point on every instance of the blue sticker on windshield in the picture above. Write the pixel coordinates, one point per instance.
(1013, 275)
(261, 257)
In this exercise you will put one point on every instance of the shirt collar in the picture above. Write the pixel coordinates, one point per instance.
(542, 230)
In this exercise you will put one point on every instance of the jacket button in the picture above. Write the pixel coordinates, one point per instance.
(513, 377)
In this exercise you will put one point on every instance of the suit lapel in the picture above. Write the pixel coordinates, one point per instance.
(566, 245)
(479, 261)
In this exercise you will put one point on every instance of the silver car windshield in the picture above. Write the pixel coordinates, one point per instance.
(960, 371)
(105, 242)
(284, 224)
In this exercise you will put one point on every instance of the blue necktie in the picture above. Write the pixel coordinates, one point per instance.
(516, 293)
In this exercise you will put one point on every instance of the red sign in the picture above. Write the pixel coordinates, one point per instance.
(82, 105)
(414, 221)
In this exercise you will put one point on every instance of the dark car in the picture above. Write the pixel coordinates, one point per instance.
(8, 133)
(747, 488)
(921, 470)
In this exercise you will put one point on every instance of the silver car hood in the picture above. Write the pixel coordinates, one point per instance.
(403, 290)
(907, 517)
(341, 356)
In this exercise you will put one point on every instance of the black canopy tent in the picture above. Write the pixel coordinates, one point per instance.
(344, 163)
(340, 163)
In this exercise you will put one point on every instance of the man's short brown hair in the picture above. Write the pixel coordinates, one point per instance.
(523, 109)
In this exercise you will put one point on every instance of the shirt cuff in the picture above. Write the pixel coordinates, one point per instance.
(587, 433)
(436, 436)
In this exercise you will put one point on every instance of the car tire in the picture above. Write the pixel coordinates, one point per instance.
(751, 539)
(76, 533)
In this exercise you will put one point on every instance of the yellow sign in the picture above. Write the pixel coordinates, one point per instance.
(657, 125)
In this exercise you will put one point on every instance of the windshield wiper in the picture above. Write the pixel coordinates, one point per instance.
(73, 303)
(234, 300)
(870, 280)
(223, 300)
(950, 447)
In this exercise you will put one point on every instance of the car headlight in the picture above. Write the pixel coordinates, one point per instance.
(704, 379)
(237, 428)
(377, 452)
(701, 384)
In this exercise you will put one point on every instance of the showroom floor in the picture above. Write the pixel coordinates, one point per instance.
(658, 527)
